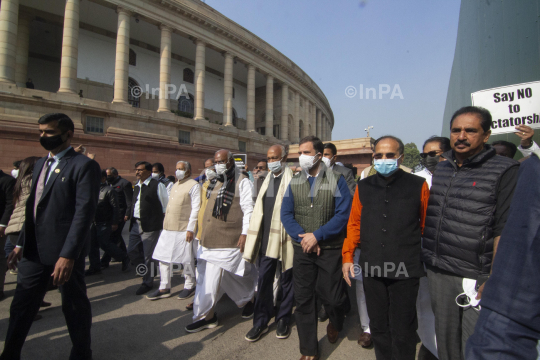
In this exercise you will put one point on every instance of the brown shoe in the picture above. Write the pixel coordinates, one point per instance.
(189, 306)
(304, 357)
(364, 340)
(332, 333)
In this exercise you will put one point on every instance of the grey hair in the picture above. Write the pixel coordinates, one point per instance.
(284, 150)
(113, 171)
(187, 165)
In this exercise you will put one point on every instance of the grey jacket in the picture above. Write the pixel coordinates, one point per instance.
(348, 175)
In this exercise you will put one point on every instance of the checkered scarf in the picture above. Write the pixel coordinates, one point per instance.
(225, 194)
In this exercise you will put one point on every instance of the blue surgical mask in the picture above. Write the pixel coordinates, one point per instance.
(386, 167)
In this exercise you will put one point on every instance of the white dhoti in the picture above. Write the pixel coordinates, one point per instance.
(172, 248)
(222, 271)
(426, 318)
(360, 295)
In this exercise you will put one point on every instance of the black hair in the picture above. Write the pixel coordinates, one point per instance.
(331, 147)
(113, 171)
(146, 164)
(64, 122)
(512, 147)
(171, 178)
(317, 143)
(483, 114)
(401, 147)
(444, 142)
(103, 173)
(17, 163)
(159, 166)
(211, 159)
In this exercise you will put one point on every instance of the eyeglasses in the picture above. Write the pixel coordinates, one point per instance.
(139, 170)
(430, 154)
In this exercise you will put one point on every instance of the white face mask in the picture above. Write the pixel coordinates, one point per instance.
(307, 162)
(326, 162)
(275, 166)
(210, 174)
(180, 174)
(221, 169)
(155, 176)
(15, 173)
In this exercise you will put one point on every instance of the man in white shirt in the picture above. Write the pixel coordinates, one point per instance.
(527, 146)
(221, 268)
(158, 173)
(150, 200)
(175, 244)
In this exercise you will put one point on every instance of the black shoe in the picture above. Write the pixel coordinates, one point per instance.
(125, 264)
(104, 265)
(283, 329)
(249, 309)
(255, 333)
(91, 272)
(186, 294)
(202, 324)
(156, 295)
(143, 289)
(2, 295)
(323, 316)
(45, 304)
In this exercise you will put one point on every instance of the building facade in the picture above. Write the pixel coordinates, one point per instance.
(148, 80)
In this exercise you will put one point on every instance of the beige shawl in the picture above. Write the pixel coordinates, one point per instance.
(279, 243)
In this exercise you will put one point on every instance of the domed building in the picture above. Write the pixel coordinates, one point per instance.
(149, 80)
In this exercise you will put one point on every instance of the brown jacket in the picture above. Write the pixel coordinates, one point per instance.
(16, 220)
(179, 206)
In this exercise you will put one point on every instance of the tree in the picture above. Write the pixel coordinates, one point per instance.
(411, 156)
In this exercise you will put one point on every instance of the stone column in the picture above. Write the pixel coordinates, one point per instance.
(9, 18)
(70, 48)
(251, 99)
(305, 131)
(228, 90)
(319, 124)
(285, 112)
(329, 131)
(296, 133)
(121, 67)
(324, 127)
(23, 39)
(314, 119)
(269, 105)
(200, 70)
(165, 68)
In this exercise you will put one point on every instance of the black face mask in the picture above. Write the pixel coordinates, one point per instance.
(51, 142)
(430, 162)
(110, 179)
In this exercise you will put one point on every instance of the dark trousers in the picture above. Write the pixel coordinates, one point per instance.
(100, 237)
(264, 304)
(453, 324)
(320, 276)
(391, 306)
(116, 238)
(32, 280)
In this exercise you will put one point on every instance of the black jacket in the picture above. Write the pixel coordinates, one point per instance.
(107, 207)
(7, 183)
(150, 207)
(462, 212)
(124, 190)
(64, 213)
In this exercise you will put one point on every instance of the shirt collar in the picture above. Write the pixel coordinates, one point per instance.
(60, 155)
(146, 182)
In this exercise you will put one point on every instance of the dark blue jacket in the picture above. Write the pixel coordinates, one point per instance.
(65, 211)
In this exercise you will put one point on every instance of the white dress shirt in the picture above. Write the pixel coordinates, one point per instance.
(246, 202)
(161, 192)
(195, 194)
(56, 161)
(529, 151)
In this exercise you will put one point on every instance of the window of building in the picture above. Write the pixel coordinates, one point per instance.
(261, 130)
(134, 93)
(290, 95)
(94, 124)
(186, 103)
(242, 146)
(189, 76)
(132, 58)
(234, 118)
(233, 93)
(184, 137)
(276, 132)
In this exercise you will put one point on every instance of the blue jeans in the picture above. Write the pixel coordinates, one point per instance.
(100, 237)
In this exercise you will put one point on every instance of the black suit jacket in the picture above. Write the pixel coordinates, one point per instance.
(64, 213)
(7, 182)
(348, 175)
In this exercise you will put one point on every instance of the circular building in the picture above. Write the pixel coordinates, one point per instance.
(150, 80)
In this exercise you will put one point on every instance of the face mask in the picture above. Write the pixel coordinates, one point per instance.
(180, 174)
(430, 162)
(221, 169)
(326, 162)
(386, 167)
(210, 174)
(51, 142)
(275, 166)
(110, 179)
(155, 176)
(307, 162)
(15, 173)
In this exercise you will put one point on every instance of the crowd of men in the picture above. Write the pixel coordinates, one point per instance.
(419, 244)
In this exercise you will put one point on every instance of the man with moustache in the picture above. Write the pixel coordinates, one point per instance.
(468, 207)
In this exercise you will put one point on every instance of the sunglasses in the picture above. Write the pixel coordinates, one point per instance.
(430, 154)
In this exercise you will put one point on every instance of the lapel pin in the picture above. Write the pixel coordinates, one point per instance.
(63, 179)
(57, 171)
